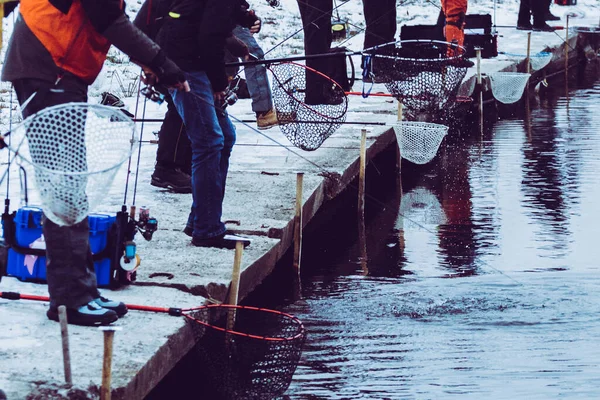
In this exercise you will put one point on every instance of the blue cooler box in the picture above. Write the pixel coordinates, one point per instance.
(28, 224)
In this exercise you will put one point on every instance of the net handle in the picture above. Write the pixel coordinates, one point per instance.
(186, 313)
(303, 104)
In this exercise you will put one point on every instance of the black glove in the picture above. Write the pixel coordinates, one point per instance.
(167, 71)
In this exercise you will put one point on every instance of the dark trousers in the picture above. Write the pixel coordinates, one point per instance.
(380, 18)
(69, 264)
(537, 8)
(316, 20)
(174, 147)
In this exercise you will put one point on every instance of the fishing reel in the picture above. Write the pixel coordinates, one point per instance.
(153, 95)
(146, 224)
(231, 97)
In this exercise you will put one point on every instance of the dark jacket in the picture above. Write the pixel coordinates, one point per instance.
(193, 32)
(32, 54)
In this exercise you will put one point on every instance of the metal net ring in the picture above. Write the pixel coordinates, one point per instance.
(307, 120)
(255, 359)
(422, 74)
(419, 141)
(75, 150)
(508, 87)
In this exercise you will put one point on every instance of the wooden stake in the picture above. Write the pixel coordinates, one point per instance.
(109, 335)
(298, 223)
(235, 284)
(399, 110)
(480, 85)
(64, 333)
(528, 60)
(567, 44)
(361, 200)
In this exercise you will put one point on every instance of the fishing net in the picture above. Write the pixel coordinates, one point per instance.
(423, 75)
(508, 87)
(420, 207)
(537, 61)
(256, 359)
(75, 150)
(419, 141)
(307, 118)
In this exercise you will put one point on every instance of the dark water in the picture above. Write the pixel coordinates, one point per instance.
(482, 278)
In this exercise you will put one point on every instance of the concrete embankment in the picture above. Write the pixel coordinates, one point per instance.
(259, 202)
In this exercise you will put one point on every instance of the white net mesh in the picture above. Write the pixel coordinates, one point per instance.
(419, 141)
(508, 87)
(540, 60)
(420, 207)
(75, 150)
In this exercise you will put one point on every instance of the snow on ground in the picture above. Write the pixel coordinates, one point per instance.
(280, 36)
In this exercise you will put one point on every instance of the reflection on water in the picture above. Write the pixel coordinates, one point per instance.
(512, 216)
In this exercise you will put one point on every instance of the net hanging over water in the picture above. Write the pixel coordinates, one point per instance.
(423, 75)
(508, 87)
(419, 141)
(75, 150)
(254, 360)
(537, 61)
(307, 119)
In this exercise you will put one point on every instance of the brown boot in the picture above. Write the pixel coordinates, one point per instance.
(266, 119)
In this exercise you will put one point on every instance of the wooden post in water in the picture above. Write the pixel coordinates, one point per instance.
(297, 261)
(480, 86)
(567, 44)
(234, 290)
(362, 236)
(64, 333)
(528, 60)
(109, 335)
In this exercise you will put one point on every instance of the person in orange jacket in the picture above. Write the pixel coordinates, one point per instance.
(455, 12)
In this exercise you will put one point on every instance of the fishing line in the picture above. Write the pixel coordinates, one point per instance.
(137, 102)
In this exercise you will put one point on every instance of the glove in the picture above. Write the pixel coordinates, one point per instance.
(236, 47)
(167, 72)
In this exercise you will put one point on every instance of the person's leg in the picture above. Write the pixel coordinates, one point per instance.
(539, 10)
(256, 75)
(380, 19)
(524, 17)
(455, 12)
(173, 156)
(316, 20)
(208, 144)
(69, 265)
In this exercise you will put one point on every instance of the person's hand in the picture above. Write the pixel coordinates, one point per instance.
(219, 98)
(148, 77)
(255, 28)
(168, 73)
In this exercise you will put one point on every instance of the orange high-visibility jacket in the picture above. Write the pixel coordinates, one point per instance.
(69, 37)
(455, 12)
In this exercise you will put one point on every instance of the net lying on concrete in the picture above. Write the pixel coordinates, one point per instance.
(419, 141)
(75, 150)
(256, 359)
(307, 119)
(508, 87)
(423, 74)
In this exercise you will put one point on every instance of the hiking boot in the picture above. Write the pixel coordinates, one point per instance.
(524, 27)
(543, 28)
(173, 179)
(551, 17)
(117, 306)
(90, 314)
(224, 241)
(266, 119)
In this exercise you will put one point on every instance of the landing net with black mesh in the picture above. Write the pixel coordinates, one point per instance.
(310, 106)
(256, 358)
(423, 75)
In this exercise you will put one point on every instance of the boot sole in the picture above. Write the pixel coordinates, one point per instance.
(53, 316)
(167, 185)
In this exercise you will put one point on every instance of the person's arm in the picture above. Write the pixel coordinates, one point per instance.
(107, 17)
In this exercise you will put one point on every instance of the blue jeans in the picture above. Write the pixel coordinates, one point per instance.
(212, 136)
(256, 75)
